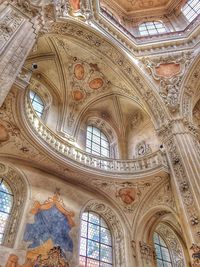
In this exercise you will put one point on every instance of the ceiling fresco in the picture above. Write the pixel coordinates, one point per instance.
(131, 6)
(85, 82)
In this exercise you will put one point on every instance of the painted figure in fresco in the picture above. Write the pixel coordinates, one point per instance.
(48, 236)
(13, 262)
(127, 195)
(50, 230)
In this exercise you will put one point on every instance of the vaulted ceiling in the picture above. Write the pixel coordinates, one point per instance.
(129, 7)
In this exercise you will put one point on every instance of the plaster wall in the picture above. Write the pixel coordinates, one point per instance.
(41, 186)
(145, 133)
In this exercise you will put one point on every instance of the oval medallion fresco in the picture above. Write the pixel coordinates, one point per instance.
(79, 71)
(4, 136)
(96, 83)
(78, 95)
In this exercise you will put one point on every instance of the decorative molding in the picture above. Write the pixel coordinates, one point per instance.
(115, 226)
(142, 149)
(19, 190)
(173, 244)
(169, 71)
(147, 252)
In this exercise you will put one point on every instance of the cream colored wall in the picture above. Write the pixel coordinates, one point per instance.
(41, 186)
(145, 133)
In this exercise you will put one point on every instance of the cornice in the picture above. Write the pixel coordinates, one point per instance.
(140, 46)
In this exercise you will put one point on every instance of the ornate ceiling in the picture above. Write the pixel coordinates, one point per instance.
(142, 7)
(131, 6)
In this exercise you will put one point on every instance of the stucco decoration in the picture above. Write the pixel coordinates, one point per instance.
(142, 149)
(115, 57)
(115, 227)
(19, 189)
(195, 255)
(184, 186)
(168, 71)
(173, 244)
(131, 196)
(147, 252)
(10, 23)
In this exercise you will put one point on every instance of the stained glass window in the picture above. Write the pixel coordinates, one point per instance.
(162, 252)
(151, 28)
(6, 202)
(37, 103)
(96, 142)
(96, 242)
(191, 9)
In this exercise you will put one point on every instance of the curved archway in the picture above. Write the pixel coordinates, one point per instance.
(18, 185)
(115, 227)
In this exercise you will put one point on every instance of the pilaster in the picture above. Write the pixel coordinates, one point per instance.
(18, 28)
(182, 147)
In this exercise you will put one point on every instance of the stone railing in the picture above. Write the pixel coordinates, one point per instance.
(69, 151)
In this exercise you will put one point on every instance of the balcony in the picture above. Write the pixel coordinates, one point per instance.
(68, 151)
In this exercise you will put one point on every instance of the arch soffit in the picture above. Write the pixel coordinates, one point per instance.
(174, 242)
(159, 198)
(150, 219)
(19, 186)
(189, 90)
(119, 60)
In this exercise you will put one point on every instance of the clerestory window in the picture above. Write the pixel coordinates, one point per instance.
(151, 28)
(96, 142)
(163, 258)
(37, 103)
(191, 9)
(6, 203)
(96, 242)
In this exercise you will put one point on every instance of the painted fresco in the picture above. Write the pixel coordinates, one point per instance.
(48, 236)
(168, 70)
(75, 4)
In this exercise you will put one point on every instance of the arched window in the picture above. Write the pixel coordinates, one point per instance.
(37, 103)
(6, 203)
(163, 258)
(151, 28)
(96, 242)
(96, 142)
(191, 9)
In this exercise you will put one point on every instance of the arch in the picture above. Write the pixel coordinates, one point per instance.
(115, 227)
(117, 59)
(37, 103)
(173, 243)
(189, 93)
(162, 252)
(96, 240)
(18, 185)
(153, 218)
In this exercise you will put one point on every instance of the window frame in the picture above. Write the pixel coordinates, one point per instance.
(162, 247)
(41, 103)
(155, 28)
(17, 182)
(90, 143)
(189, 5)
(101, 218)
(3, 233)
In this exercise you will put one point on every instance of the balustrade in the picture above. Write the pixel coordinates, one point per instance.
(69, 150)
